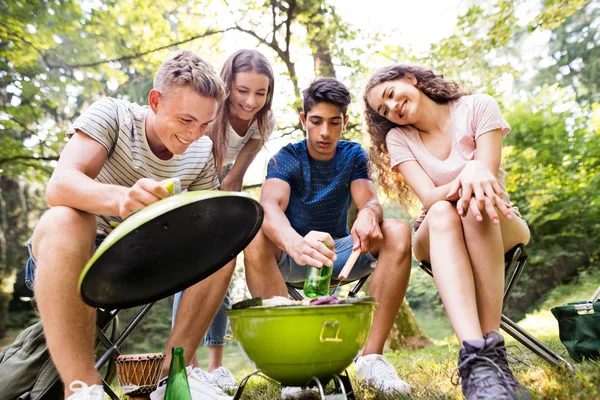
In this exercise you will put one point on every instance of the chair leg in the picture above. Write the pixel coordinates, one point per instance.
(108, 390)
(532, 343)
(515, 260)
(113, 346)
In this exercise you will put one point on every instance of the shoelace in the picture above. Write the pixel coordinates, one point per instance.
(221, 373)
(481, 359)
(506, 358)
(80, 388)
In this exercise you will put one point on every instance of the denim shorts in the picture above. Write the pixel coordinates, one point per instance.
(31, 263)
(295, 273)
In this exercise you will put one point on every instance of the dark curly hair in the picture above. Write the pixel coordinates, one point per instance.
(435, 87)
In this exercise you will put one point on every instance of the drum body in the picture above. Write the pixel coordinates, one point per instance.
(138, 374)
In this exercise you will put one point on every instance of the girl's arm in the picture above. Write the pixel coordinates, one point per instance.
(429, 194)
(235, 178)
(422, 185)
(480, 189)
(489, 150)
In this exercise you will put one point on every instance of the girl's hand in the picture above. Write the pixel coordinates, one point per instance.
(490, 209)
(478, 182)
(231, 185)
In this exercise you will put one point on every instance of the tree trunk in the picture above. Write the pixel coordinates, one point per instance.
(319, 37)
(20, 206)
(405, 333)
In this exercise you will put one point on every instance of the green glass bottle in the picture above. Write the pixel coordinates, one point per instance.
(178, 387)
(318, 280)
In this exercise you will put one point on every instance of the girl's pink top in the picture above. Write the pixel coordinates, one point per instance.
(471, 116)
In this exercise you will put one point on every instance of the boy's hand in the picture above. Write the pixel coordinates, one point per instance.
(315, 249)
(365, 228)
(143, 193)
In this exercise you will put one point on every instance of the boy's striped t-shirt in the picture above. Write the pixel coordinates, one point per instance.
(120, 126)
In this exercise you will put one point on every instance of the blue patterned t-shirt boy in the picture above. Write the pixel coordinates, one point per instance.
(319, 190)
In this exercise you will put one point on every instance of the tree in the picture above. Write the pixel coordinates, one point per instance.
(574, 54)
(553, 165)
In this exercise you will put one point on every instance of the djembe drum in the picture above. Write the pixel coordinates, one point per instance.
(138, 374)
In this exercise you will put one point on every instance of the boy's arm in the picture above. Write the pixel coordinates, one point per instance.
(370, 214)
(72, 184)
(274, 198)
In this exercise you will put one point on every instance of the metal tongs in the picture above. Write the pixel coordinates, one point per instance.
(347, 268)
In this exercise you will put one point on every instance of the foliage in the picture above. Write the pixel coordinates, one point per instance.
(422, 293)
(151, 335)
(574, 54)
(49, 74)
(58, 56)
(552, 165)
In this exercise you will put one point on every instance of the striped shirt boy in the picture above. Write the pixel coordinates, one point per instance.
(120, 126)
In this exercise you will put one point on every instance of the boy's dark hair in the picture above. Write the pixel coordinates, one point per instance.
(328, 90)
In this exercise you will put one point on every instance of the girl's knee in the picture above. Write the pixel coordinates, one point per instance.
(442, 216)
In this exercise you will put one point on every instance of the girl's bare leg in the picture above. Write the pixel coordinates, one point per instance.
(452, 271)
(486, 244)
(480, 285)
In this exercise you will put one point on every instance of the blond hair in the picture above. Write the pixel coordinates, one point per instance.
(186, 68)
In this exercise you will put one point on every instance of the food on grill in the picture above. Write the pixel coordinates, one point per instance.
(253, 302)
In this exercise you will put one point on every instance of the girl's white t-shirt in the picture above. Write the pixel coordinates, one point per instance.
(236, 142)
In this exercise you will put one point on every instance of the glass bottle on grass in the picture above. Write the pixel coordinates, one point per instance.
(178, 387)
(318, 280)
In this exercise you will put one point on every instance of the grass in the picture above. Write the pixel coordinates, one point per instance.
(429, 370)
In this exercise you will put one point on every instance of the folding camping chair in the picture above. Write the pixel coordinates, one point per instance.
(515, 261)
(108, 320)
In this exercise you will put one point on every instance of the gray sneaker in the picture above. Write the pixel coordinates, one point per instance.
(519, 391)
(481, 376)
